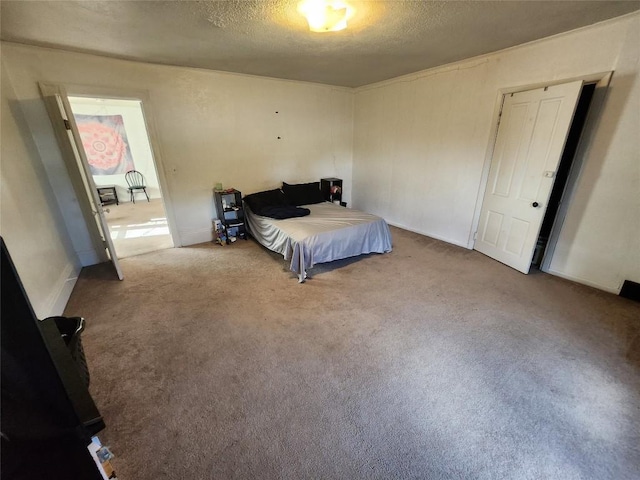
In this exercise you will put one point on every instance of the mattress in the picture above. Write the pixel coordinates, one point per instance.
(329, 233)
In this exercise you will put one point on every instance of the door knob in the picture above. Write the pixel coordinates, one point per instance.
(535, 204)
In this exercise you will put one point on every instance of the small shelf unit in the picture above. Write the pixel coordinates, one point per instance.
(230, 213)
(332, 190)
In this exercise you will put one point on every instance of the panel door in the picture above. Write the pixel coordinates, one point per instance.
(58, 106)
(531, 137)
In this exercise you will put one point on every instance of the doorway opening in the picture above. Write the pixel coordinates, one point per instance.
(563, 171)
(115, 139)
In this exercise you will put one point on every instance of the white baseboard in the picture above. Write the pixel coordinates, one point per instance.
(589, 283)
(192, 237)
(430, 235)
(61, 291)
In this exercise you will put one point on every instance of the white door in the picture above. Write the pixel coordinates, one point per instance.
(531, 137)
(58, 106)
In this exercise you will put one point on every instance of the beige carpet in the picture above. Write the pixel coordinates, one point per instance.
(431, 362)
(139, 227)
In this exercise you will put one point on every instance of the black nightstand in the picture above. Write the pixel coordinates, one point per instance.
(332, 190)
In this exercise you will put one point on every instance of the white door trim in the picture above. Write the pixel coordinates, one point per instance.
(602, 79)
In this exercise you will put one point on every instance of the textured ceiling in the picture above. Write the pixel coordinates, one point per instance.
(385, 39)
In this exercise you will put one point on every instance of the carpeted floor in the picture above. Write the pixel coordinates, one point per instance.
(431, 362)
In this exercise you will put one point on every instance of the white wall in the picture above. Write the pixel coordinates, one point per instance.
(421, 141)
(30, 221)
(418, 148)
(209, 126)
(137, 139)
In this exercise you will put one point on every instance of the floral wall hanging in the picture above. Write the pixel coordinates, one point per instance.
(105, 142)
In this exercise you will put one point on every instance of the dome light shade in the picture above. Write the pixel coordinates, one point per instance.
(326, 15)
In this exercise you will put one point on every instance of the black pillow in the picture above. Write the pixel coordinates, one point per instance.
(281, 212)
(303, 193)
(269, 198)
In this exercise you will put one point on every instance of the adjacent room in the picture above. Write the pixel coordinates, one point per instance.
(322, 239)
(118, 152)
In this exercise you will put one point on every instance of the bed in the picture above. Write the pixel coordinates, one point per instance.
(330, 232)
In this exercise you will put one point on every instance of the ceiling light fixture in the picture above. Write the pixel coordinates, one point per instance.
(326, 15)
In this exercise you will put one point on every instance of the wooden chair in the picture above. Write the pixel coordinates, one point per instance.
(135, 180)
